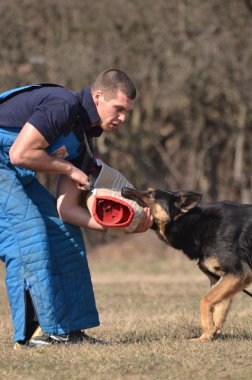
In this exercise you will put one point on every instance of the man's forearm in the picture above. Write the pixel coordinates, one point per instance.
(39, 160)
(80, 216)
(29, 151)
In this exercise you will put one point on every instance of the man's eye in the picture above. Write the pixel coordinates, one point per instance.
(119, 109)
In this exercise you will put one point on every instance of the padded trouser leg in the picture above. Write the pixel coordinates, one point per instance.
(46, 254)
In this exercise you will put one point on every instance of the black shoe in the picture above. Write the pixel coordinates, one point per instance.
(40, 341)
(77, 337)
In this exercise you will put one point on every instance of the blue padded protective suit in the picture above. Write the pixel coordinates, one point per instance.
(41, 253)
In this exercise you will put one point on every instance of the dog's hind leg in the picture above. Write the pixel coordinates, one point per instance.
(220, 293)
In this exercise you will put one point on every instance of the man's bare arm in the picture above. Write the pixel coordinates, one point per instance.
(70, 206)
(28, 151)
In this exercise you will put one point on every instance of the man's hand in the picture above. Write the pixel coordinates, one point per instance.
(145, 222)
(80, 178)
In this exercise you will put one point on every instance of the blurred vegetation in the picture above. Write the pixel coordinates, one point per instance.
(191, 61)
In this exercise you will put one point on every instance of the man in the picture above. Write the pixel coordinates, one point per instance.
(49, 129)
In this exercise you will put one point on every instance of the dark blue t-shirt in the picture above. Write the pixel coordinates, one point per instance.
(53, 111)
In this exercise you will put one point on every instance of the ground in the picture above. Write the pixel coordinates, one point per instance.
(148, 298)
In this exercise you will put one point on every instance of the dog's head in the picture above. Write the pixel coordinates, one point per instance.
(165, 206)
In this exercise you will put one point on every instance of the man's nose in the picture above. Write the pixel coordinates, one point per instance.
(121, 117)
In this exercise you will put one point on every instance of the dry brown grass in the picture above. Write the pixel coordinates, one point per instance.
(148, 298)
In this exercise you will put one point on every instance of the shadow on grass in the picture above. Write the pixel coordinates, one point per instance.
(147, 336)
(137, 339)
(241, 336)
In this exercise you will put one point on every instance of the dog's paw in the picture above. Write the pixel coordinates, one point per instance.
(218, 333)
(203, 338)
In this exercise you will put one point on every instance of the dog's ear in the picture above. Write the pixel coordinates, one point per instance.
(187, 200)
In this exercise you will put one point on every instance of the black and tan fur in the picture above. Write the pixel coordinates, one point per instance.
(218, 235)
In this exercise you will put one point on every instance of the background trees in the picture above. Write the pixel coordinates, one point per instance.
(191, 61)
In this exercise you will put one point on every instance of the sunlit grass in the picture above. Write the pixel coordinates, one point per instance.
(148, 307)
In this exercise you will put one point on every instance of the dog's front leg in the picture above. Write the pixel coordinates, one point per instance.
(207, 322)
(220, 309)
(220, 312)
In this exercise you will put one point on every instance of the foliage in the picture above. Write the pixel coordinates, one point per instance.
(191, 61)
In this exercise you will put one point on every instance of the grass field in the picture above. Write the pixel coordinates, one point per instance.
(148, 298)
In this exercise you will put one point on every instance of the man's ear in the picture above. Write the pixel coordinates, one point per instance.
(187, 200)
(97, 96)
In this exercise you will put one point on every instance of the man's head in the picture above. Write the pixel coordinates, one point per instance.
(114, 94)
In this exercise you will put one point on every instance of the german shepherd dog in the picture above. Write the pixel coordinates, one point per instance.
(218, 235)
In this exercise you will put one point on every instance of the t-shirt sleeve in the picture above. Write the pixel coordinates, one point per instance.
(53, 117)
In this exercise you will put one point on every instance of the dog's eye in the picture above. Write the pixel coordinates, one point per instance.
(151, 193)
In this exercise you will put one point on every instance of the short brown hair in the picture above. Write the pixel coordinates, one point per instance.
(113, 80)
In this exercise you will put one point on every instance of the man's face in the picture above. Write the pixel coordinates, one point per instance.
(112, 111)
